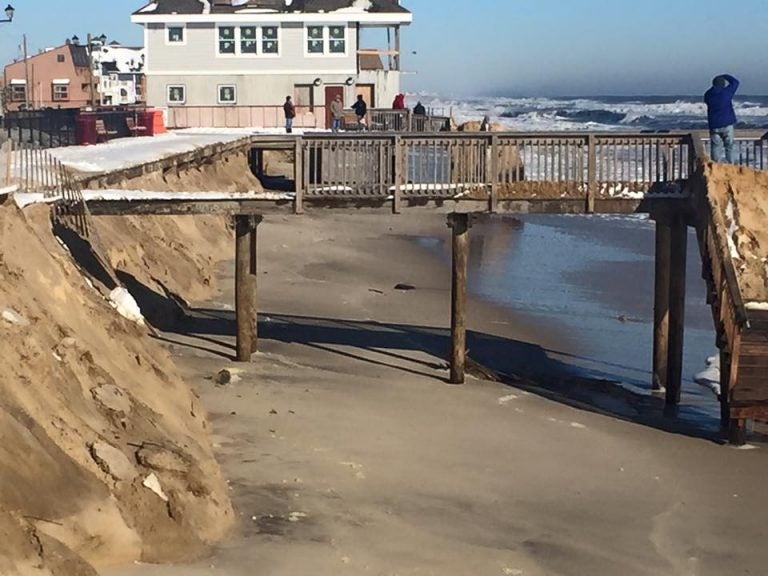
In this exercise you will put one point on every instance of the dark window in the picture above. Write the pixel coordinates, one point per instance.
(248, 39)
(175, 34)
(315, 40)
(19, 92)
(60, 92)
(60, 58)
(227, 40)
(269, 40)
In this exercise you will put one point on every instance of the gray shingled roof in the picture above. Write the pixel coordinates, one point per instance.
(196, 7)
(79, 56)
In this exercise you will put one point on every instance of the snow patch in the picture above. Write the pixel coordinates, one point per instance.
(13, 317)
(122, 301)
(507, 399)
(152, 483)
(710, 377)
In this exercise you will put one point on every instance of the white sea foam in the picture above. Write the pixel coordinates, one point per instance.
(603, 114)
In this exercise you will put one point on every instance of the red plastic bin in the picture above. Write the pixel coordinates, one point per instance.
(85, 130)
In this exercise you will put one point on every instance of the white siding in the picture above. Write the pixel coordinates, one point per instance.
(199, 54)
(252, 90)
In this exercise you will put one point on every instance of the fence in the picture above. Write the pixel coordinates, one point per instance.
(33, 169)
(385, 120)
(52, 128)
(42, 128)
(495, 166)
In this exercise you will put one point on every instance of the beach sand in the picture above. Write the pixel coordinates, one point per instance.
(346, 451)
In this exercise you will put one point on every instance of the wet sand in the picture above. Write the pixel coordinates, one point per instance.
(347, 452)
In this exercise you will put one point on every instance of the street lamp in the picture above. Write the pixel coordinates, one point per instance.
(9, 11)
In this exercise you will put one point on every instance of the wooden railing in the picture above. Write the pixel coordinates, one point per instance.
(493, 166)
(386, 120)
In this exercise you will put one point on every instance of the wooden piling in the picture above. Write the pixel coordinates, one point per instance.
(679, 253)
(725, 385)
(661, 304)
(245, 285)
(459, 224)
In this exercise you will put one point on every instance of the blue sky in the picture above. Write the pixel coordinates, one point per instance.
(510, 47)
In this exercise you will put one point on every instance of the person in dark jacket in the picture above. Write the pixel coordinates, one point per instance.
(419, 109)
(721, 117)
(290, 114)
(361, 109)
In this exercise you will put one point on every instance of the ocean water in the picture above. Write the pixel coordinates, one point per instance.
(605, 113)
(590, 278)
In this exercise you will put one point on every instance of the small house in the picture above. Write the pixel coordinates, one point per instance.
(233, 62)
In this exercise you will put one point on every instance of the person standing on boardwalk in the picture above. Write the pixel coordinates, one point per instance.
(721, 116)
(290, 114)
(361, 109)
(337, 113)
(419, 109)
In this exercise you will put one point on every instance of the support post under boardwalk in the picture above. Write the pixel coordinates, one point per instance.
(679, 253)
(661, 304)
(245, 285)
(459, 224)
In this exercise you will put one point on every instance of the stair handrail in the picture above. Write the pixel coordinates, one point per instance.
(717, 225)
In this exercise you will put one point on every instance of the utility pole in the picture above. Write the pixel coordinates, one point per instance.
(89, 48)
(27, 87)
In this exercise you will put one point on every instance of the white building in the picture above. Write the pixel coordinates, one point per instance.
(233, 62)
(120, 74)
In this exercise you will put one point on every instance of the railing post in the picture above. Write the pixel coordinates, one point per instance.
(492, 172)
(591, 173)
(298, 176)
(400, 167)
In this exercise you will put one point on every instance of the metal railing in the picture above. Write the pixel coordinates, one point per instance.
(494, 166)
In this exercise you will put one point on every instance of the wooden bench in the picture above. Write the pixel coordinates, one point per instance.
(101, 131)
(134, 128)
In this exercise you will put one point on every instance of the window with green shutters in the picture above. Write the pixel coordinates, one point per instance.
(227, 40)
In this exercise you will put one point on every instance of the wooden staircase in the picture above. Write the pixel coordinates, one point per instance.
(742, 333)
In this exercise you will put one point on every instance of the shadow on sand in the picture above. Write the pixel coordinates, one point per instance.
(515, 363)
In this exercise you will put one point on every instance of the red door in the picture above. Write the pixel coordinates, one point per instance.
(330, 94)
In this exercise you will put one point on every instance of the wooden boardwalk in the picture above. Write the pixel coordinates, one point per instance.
(461, 174)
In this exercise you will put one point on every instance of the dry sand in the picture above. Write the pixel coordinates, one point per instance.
(91, 407)
(741, 195)
(231, 172)
(349, 454)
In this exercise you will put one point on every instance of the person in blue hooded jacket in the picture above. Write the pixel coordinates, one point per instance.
(721, 116)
